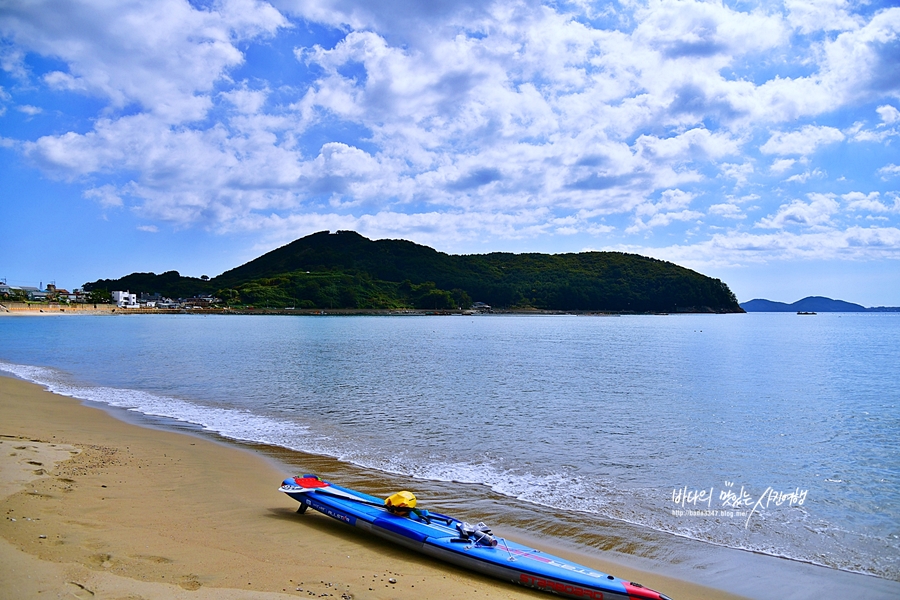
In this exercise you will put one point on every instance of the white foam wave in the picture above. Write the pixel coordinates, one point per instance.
(237, 424)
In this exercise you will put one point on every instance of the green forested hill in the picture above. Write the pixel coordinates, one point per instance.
(170, 283)
(347, 270)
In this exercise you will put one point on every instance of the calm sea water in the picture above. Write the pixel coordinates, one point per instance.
(774, 433)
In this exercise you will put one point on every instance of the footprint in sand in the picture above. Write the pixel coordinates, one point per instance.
(100, 560)
(189, 582)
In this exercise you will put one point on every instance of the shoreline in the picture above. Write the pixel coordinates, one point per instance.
(159, 513)
(23, 309)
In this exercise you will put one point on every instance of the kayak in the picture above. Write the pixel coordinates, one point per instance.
(473, 547)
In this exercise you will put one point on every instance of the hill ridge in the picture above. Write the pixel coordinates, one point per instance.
(811, 304)
(347, 270)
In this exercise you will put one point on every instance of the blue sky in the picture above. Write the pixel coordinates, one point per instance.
(756, 142)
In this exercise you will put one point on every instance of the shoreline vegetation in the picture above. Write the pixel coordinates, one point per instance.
(344, 270)
(45, 308)
(98, 507)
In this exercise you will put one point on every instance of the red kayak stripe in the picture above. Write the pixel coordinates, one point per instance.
(310, 482)
(639, 591)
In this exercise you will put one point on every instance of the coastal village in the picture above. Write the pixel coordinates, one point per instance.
(50, 297)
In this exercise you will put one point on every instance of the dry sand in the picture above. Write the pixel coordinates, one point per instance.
(94, 507)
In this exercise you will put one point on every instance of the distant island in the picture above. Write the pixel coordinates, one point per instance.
(812, 304)
(348, 271)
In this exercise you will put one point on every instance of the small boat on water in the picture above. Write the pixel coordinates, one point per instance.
(474, 547)
(802, 312)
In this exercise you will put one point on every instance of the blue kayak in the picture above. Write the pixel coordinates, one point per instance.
(469, 546)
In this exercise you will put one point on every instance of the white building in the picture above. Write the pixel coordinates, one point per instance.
(125, 300)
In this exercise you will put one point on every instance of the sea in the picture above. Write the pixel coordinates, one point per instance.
(682, 442)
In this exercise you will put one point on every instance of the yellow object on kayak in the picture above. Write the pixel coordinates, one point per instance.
(400, 503)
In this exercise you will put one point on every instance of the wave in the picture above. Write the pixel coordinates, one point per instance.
(234, 423)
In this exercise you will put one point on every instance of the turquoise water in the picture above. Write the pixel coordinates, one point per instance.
(767, 432)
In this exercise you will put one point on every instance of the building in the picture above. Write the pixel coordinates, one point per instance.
(34, 293)
(10, 291)
(125, 299)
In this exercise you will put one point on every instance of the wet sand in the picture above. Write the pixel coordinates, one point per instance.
(97, 507)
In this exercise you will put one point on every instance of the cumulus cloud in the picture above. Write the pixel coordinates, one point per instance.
(802, 142)
(107, 196)
(727, 210)
(781, 165)
(806, 176)
(889, 115)
(817, 212)
(810, 16)
(742, 248)
(871, 202)
(671, 206)
(740, 173)
(164, 55)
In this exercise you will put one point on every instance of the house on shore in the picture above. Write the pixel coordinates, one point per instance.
(33, 293)
(7, 291)
(125, 299)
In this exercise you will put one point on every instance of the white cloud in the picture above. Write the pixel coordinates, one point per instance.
(817, 212)
(889, 115)
(702, 29)
(888, 171)
(107, 196)
(879, 135)
(671, 206)
(148, 228)
(806, 176)
(870, 202)
(245, 100)
(745, 248)
(809, 16)
(164, 55)
(781, 165)
(857, 65)
(803, 141)
(727, 210)
(740, 173)
(862, 62)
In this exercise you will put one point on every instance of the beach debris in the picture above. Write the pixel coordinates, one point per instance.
(42, 537)
(392, 580)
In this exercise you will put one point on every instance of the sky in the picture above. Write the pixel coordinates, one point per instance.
(753, 141)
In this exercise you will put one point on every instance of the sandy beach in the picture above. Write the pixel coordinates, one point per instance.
(96, 507)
